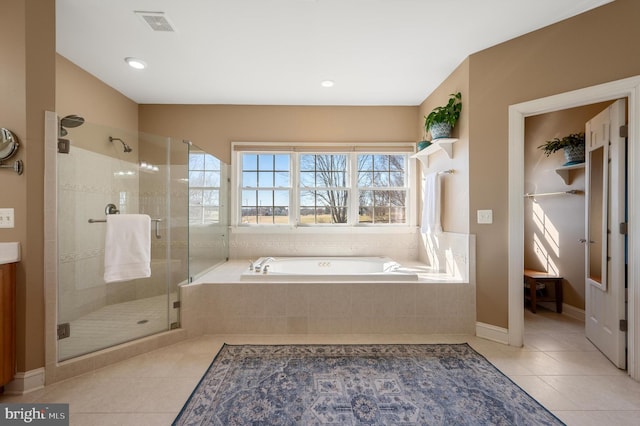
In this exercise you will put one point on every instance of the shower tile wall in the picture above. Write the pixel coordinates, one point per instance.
(174, 216)
(87, 182)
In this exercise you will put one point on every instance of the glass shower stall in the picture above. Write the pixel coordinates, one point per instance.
(101, 171)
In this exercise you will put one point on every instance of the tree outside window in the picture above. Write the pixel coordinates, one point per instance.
(382, 188)
(324, 192)
(324, 188)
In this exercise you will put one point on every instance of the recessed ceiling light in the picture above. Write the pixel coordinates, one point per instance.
(327, 83)
(136, 63)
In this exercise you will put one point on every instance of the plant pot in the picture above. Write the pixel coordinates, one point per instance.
(440, 130)
(573, 155)
(423, 144)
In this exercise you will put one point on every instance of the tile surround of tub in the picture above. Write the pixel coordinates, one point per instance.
(399, 246)
(226, 305)
(450, 253)
(330, 308)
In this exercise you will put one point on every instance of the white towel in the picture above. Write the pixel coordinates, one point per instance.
(127, 247)
(431, 204)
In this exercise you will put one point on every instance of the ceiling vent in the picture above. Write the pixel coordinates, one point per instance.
(157, 21)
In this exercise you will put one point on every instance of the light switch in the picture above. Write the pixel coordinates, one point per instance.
(485, 216)
(6, 218)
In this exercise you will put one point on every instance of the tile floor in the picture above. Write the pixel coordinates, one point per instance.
(557, 366)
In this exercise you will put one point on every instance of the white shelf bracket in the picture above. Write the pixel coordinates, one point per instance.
(445, 145)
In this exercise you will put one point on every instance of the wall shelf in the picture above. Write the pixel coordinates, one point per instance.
(565, 172)
(444, 144)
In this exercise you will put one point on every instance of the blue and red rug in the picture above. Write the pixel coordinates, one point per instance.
(358, 385)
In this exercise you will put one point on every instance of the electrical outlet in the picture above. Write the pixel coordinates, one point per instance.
(485, 216)
(6, 218)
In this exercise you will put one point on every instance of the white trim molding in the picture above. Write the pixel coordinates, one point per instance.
(492, 332)
(28, 381)
(628, 88)
(573, 312)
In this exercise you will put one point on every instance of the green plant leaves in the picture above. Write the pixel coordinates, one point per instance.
(449, 113)
(556, 144)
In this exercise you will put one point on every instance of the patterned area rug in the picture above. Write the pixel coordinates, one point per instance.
(358, 385)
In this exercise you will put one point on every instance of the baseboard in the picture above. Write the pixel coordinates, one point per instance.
(492, 332)
(25, 382)
(573, 312)
(568, 310)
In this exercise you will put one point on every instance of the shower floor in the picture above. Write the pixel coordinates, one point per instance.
(118, 323)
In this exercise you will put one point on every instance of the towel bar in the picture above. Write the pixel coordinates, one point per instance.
(156, 221)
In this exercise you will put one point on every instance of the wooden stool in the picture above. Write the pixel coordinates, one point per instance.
(532, 277)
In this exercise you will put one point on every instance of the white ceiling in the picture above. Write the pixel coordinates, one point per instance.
(276, 52)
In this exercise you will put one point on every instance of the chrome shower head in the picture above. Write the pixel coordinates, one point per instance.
(126, 147)
(70, 121)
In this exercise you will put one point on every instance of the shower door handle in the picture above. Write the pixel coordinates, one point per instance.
(157, 221)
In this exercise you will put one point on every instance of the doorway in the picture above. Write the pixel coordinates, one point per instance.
(627, 88)
(556, 235)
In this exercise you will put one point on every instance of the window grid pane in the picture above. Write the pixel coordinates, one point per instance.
(204, 188)
(265, 188)
(324, 196)
(382, 188)
(322, 188)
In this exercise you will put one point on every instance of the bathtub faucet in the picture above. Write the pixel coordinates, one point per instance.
(259, 266)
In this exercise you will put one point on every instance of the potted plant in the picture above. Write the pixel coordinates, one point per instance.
(442, 119)
(573, 145)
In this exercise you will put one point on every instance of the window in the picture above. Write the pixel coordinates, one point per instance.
(382, 188)
(204, 188)
(266, 188)
(320, 187)
(324, 188)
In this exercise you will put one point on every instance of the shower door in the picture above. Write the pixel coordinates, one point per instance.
(104, 170)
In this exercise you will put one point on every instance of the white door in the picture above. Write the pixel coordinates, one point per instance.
(604, 234)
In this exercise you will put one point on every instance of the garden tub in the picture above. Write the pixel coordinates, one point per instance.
(327, 269)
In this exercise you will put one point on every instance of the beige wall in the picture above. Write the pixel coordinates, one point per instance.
(455, 187)
(27, 89)
(554, 224)
(106, 111)
(214, 127)
(78, 92)
(592, 48)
